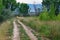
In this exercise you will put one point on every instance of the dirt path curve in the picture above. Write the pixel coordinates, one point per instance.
(15, 32)
(29, 33)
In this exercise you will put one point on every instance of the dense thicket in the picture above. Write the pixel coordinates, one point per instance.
(8, 6)
(56, 3)
(52, 7)
(1, 8)
(24, 9)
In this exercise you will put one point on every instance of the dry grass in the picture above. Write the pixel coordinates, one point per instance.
(48, 29)
(4, 30)
(38, 22)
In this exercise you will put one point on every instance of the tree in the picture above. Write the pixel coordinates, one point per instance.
(52, 11)
(24, 8)
(8, 3)
(1, 8)
(56, 3)
(44, 15)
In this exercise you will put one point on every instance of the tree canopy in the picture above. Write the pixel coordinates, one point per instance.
(8, 3)
(56, 3)
(1, 8)
(24, 8)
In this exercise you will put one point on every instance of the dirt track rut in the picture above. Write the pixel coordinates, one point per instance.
(15, 32)
(29, 33)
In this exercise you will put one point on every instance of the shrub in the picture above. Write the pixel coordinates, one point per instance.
(58, 17)
(44, 15)
(50, 15)
(52, 12)
(1, 18)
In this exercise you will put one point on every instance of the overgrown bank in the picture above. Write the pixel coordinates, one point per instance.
(48, 29)
(6, 30)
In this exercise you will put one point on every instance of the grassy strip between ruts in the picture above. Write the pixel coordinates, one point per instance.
(23, 35)
(6, 30)
(35, 33)
(48, 29)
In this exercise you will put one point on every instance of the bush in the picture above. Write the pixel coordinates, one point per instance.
(44, 15)
(49, 15)
(1, 18)
(58, 17)
(52, 12)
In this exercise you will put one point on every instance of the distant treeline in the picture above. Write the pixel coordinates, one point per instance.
(7, 6)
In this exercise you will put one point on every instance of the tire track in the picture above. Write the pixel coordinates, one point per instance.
(29, 33)
(15, 32)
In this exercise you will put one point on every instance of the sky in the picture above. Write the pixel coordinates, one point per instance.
(30, 1)
(32, 7)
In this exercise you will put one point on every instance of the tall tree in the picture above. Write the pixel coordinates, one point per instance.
(52, 11)
(8, 3)
(24, 8)
(1, 8)
(56, 3)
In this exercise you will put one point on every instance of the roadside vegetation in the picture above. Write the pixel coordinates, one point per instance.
(23, 35)
(8, 8)
(46, 25)
(6, 30)
(46, 29)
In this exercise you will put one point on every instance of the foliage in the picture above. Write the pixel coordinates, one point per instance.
(52, 11)
(56, 3)
(8, 3)
(1, 8)
(1, 18)
(47, 29)
(58, 17)
(53, 6)
(44, 15)
(4, 8)
(24, 8)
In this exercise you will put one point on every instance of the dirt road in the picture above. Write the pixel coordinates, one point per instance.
(29, 33)
(15, 32)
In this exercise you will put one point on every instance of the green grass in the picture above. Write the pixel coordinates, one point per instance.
(23, 35)
(48, 29)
